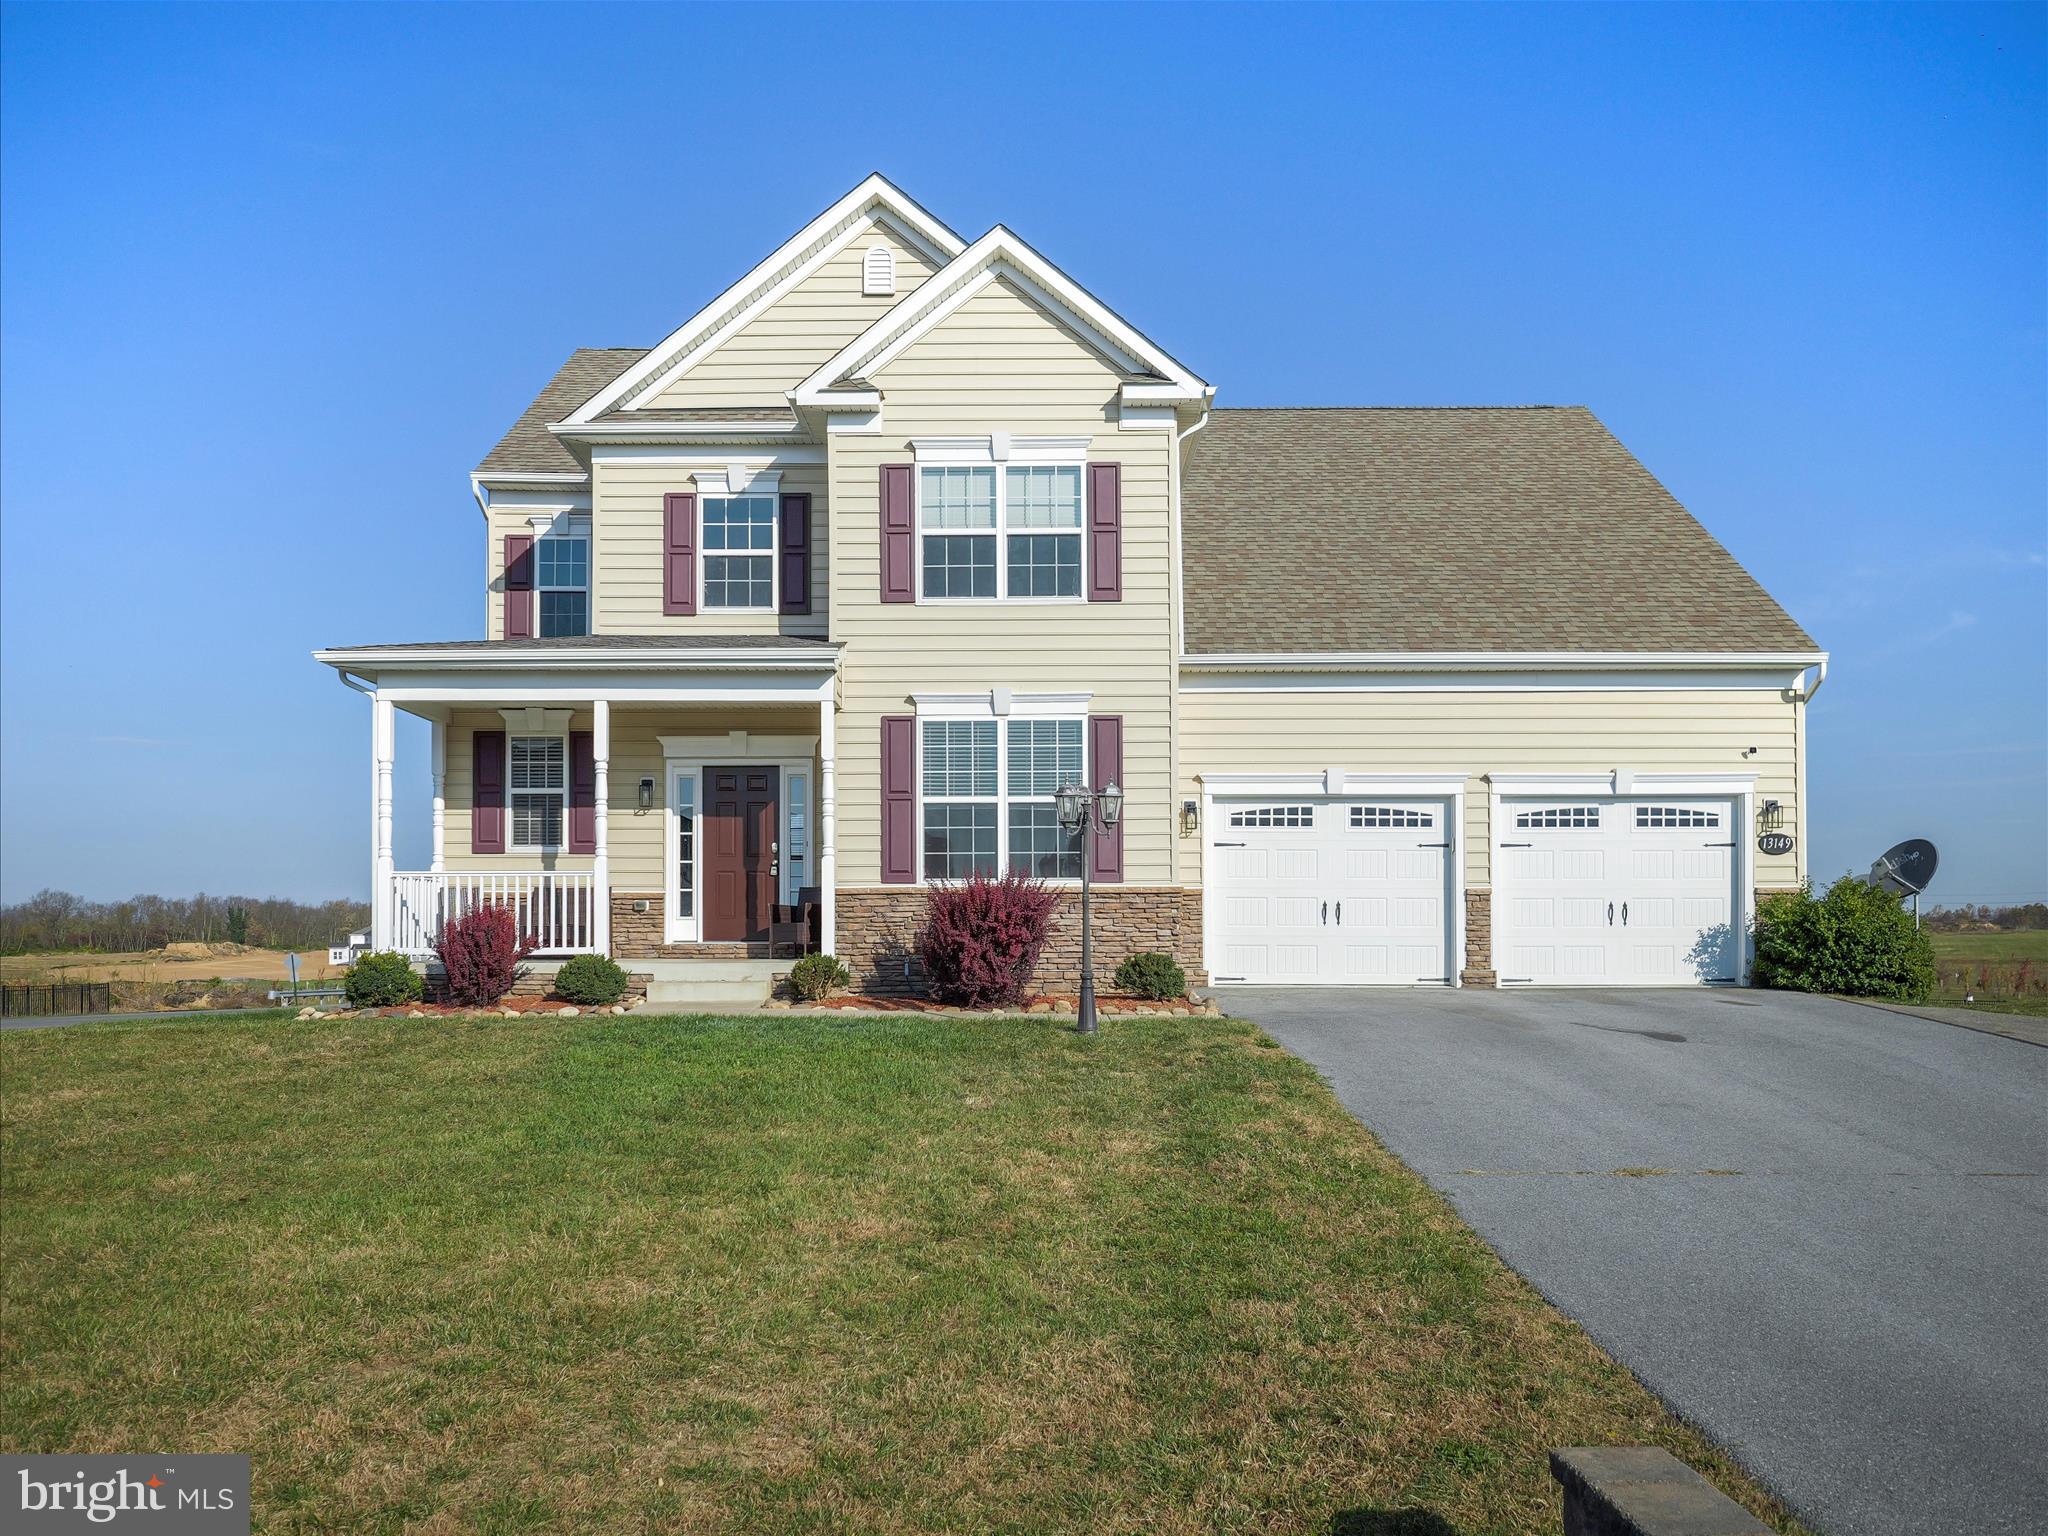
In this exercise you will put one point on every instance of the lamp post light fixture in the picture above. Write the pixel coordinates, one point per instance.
(1077, 809)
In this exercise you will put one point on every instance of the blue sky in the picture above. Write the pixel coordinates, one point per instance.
(273, 279)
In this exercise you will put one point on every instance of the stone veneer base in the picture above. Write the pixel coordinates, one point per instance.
(1479, 971)
(878, 935)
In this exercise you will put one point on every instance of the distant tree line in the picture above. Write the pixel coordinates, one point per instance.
(58, 920)
(2034, 915)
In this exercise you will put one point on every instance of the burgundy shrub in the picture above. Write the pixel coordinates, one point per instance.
(982, 937)
(481, 951)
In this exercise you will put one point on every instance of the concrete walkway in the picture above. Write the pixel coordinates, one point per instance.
(1818, 1229)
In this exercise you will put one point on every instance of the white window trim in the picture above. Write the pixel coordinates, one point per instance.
(690, 756)
(565, 526)
(512, 843)
(740, 480)
(995, 452)
(1001, 799)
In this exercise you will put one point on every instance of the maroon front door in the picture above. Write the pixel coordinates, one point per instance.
(740, 851)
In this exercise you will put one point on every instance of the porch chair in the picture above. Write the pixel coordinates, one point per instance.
(795, 925)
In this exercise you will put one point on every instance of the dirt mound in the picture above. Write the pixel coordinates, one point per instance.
(201, 951)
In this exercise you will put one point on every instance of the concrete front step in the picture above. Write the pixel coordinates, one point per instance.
(710, 986)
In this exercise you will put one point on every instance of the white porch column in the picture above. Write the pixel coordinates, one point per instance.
(438, 737)
(828, 858)
(601, 785)
(383, 728)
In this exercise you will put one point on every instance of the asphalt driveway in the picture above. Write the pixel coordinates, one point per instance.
(1818, 1230)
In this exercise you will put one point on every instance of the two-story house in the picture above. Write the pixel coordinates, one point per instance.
(832, 589)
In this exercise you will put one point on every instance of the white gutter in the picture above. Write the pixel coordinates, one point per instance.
(1493, 661)
(627, 431)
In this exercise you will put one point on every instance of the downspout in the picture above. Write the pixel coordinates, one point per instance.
(1180, 642)
(360, 684)
(1820, 676)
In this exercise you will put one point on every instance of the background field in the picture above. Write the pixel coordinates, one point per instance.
(156, 965)
(2007, 971)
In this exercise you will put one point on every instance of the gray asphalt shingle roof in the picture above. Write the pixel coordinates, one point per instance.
(1482, 529)
(530, 448)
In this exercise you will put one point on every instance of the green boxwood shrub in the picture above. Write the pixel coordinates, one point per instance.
(816, 976)
(383, 980)
(1151, 975)
(1854, 941)
(592, 980)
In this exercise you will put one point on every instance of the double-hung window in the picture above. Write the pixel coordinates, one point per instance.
(1042, 516)
(988, 531)
(987, 789)
(739, 552)
(958, 514)
(561, 575)
(539, 783)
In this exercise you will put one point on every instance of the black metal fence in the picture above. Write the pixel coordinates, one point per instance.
(61, 998)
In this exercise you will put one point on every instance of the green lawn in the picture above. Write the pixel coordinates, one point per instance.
(916, 1274)
(2005, 972)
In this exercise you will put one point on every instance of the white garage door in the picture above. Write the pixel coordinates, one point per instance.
(1621, 892)
(1333, 892)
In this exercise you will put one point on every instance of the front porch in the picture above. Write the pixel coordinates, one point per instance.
(654, 800)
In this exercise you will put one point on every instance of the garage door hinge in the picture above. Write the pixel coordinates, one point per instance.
(1226, 845)
(1509, 845)
(1226, 978)
(1433, 845)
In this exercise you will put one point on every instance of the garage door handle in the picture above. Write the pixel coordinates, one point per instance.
(1624, 914)
(1326, 911)
(1340, 914)
(1610, 914)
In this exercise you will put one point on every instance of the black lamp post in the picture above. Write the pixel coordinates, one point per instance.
(1078, 808)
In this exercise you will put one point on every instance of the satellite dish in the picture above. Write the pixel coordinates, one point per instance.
(1904, 870)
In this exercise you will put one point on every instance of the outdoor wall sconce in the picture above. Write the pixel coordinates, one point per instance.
(647, 794)
(1770, 816)
(1190, 817)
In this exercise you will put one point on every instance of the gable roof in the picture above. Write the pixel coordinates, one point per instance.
(875, 199)
(530, 448)
(1450, 530)
(1152, 373)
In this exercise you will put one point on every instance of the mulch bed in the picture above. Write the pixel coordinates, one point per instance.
(509, 1005)
(1043, 1002)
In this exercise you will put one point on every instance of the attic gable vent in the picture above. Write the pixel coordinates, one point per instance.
(878, 271)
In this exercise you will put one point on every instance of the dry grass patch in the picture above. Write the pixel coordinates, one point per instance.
(896, 1275)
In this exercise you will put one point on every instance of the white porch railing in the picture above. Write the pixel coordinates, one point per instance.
(557, 911)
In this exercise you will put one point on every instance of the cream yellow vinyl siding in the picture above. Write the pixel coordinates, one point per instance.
(627, 553)
(635, 835)
(1000, 363)
(1660, 731)
(783, 345)
(497, 524)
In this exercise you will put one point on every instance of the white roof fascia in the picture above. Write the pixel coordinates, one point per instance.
(405, 658)
(843, 219)
(1492, 661)
(999, 253)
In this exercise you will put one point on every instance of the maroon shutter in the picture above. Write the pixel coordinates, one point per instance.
(518, 586)
(796, 552)
(899, 580)
(1105, 533)
(487, 792)
(582, 792)
(899, 800)
(1106, 766)
(679, 553)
